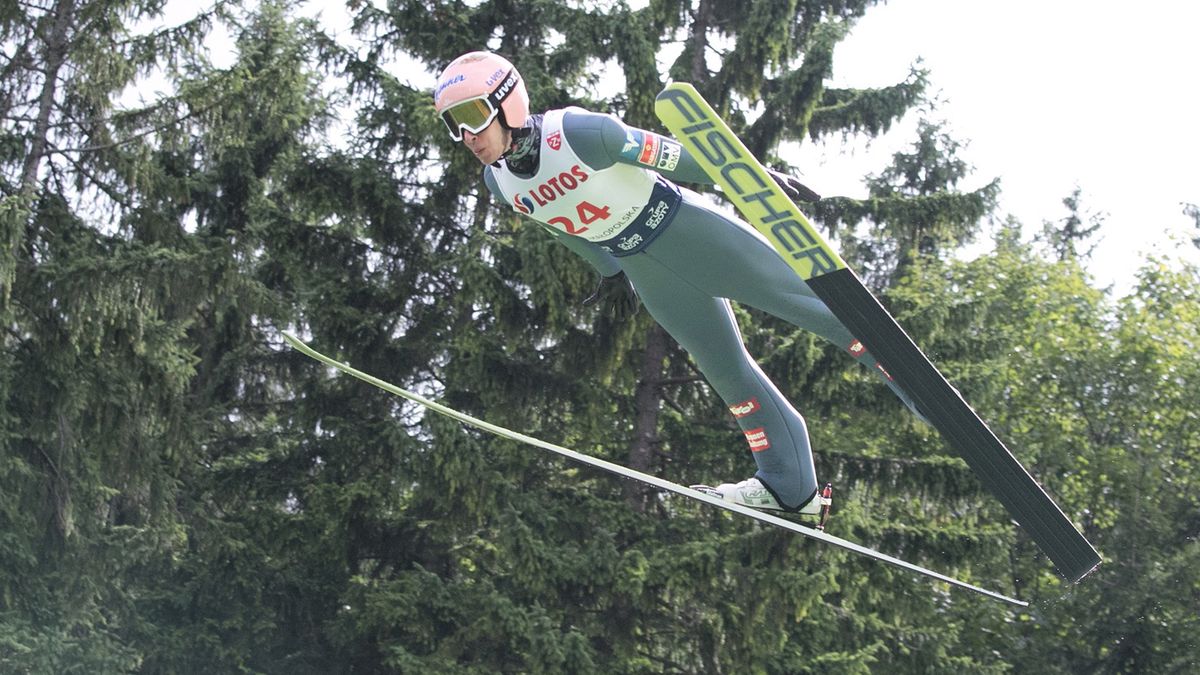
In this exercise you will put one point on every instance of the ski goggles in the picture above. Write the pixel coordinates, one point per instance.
(475, 114)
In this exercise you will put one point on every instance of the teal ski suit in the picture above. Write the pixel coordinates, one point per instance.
(607, 191)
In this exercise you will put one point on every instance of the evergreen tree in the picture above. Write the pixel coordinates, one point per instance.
(1065, 236)
(180, 493)
(267, 499)
(1193, 211)
(533, 544)
(94, 363)
(913, 209)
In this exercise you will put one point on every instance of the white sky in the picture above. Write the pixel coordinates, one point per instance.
(1047, 95)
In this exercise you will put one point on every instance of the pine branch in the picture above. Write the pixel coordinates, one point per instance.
(32, 10)
(140, 135)
(104, 186)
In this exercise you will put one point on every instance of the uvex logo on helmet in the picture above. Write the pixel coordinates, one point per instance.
(507, 85)
(552, 189)
(494, 77)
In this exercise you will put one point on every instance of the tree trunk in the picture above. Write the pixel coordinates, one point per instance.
(14, 215)
(56, 55)
(648, 395)
(647, 401)
(699, 39)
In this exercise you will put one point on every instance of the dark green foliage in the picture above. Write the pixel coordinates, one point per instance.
(912, 210)
(179, 493)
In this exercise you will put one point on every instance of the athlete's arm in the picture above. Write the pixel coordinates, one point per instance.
(597, 257)
(603, 140)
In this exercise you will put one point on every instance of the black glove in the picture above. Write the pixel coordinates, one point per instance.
(793, 188)
(618, 295)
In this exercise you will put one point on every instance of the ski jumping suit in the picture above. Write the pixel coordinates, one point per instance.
(602, 188)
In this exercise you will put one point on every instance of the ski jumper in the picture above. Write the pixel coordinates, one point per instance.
(606, 191)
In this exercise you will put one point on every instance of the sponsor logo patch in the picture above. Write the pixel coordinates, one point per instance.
(630, 243)
(649, 150)
(552, 189)
(554, 140)
(632, 143)
(757, 438)
(523, 204)
(668, 159)
(656, 216)
(857, 349)
(745, 408)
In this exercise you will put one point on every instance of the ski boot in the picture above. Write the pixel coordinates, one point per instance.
(752, 493)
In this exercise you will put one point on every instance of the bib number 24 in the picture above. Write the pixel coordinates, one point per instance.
(587, 212)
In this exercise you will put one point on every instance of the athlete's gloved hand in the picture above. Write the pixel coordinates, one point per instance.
(618, 295)
(793, 188)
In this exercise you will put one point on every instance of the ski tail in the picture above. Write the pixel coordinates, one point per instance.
(746, 183)
(942, 405)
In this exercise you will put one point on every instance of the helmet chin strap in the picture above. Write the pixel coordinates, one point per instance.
(522, 154)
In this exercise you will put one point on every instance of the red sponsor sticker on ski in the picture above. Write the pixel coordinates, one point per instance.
(757, 438)
(745, 408)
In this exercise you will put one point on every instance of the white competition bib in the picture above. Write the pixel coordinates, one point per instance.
(570, 196)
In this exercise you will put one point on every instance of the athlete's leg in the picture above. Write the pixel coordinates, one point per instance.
(706, 328)
(725, 257)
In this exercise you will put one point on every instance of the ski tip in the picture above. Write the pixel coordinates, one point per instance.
(1079, 576)
(302, 347)
(294, 341)
(677, 85)
(673, 88)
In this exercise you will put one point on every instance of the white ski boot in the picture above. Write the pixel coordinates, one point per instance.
(751, 492)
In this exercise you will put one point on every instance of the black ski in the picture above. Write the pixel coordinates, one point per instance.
(765, 206)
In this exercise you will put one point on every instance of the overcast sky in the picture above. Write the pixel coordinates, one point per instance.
(1048, 95)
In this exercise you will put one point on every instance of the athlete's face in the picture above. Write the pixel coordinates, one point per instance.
(490, 144)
